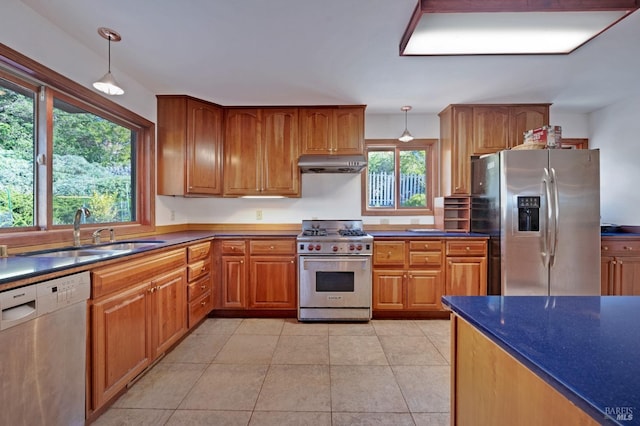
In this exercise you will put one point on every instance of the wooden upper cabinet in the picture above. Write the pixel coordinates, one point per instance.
(261, 152)
(332, 130)
(189, 146)
(473, 130)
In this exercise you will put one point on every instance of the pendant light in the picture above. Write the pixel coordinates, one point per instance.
(108, 83)
(406, 136)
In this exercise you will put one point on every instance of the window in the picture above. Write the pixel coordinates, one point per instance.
(399, 177)
(62, 147)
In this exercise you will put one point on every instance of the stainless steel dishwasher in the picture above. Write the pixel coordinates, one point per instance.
(43, 334)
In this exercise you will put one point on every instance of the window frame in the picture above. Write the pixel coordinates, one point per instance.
(429, 145)
(29, 73)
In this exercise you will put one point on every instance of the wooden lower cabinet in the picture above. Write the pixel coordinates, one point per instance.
(620, 266)
(491, 387)
(138, 311)
(199, 282)
(413, 275)
(258, 274)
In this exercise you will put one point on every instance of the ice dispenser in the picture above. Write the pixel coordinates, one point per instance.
(528, 214)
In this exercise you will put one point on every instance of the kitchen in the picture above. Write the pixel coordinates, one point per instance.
(611, 125)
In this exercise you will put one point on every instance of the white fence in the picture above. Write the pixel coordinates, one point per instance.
(382, 188)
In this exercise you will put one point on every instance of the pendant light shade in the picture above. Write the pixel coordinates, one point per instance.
(108, 84)
(406, 136)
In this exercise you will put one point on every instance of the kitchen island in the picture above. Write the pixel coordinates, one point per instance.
(545, 360)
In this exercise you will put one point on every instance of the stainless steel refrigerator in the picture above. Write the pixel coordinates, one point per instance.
(541, 209)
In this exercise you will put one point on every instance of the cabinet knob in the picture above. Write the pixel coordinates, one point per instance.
(242, 261)
(292, 261)
(271, 247)
(467, 248)
(203, 303)
(628, 248)
(151, 290)
(605, 248)
(202, 287)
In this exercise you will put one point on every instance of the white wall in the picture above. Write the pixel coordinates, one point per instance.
(615, 130)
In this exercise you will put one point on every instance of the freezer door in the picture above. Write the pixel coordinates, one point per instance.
(575, 269)
(522, 247)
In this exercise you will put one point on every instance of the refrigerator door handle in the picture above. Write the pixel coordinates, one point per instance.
(556, 216)
(546, 241)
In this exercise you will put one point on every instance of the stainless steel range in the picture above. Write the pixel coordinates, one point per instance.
(334, 271)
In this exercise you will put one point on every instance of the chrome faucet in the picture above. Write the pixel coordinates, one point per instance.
(76, 224)
(96, 235)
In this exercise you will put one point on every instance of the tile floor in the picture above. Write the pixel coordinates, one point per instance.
(281, 372)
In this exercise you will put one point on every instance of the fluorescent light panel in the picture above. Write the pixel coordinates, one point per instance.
(506, 32)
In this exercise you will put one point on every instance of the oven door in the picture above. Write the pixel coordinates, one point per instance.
(334, 281)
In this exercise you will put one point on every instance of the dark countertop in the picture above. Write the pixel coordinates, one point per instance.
(588, 348)
(15, 268)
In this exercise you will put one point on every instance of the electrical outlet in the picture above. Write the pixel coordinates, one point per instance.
(173, 215)
(259, 214)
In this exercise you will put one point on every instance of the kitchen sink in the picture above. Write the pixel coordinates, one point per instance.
(103, 250)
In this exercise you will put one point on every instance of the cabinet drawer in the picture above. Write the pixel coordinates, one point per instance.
(626, 247)
(198, 288)
(425, 258)
(425, 245)
(199, 308)
(466, 248)
(198, 269)
(233, 247)
(272, 247)
(388, 253)
(198, 251)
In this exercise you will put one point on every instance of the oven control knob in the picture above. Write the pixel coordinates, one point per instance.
(310, 247)
(352, 247)
(334, 248)
(317, 247)
(359, 247)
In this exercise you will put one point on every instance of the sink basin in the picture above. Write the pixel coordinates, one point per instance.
(103, 250)
(77, 252)
(127, 245)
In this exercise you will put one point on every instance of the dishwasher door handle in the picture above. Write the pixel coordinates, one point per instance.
(18, 314)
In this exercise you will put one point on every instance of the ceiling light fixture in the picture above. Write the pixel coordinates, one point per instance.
(405, 136)
(505, 27)
(108, 83)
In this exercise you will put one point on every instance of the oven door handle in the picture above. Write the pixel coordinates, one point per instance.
(363, 260)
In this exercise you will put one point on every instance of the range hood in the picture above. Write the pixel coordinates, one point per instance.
(332, 163)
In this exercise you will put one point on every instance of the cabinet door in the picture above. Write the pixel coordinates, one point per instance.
(233, 282)
(388, 289)
(204, 148)
(461, 151)
(525, 118)
(424, 289)
(120, 343)
(272, 282)
(466, 276)
(349, 131)
(168, 311)
(607, 275)
(490, 129)
(242, 154)
(279, 165)
(629, 281)
(317, 130)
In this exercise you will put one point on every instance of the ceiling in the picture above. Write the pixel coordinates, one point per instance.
(308, 52)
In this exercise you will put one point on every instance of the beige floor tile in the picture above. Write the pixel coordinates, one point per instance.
(425, 388)
(264, 326)
(218, 326)
(302, 350)
(208, 418)
(435, 328)
(356, 350)
(396, 328)
(226, 387)
(295, 388)
(198, 348)
(351, 329)
(293, 327)
(163, 387)
(411, 350)
(247, 349)
(431, 419)
(284, 418)
(133, 417)
(365, 388)
(372, 419)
